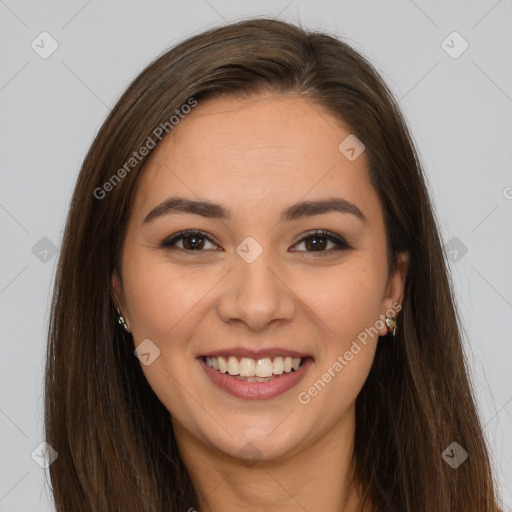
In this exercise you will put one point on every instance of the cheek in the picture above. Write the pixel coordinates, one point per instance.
(347, 299)
(160, 295)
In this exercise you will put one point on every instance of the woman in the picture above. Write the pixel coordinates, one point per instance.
(252, 309)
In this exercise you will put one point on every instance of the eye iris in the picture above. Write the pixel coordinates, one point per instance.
(312, 242)
(197, 244)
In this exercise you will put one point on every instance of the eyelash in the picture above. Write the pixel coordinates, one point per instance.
(340, 243)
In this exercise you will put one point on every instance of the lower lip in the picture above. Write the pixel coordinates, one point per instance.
(256, 390)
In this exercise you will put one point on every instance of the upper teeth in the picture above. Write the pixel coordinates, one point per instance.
(246, 367)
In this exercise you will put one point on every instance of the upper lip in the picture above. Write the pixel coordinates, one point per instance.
(254, 354)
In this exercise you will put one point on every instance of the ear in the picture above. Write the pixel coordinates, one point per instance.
(118, 295)
(394, 293)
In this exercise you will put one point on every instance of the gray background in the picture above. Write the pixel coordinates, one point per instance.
(459, 110)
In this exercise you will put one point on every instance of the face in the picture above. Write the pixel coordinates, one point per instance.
(261, 283)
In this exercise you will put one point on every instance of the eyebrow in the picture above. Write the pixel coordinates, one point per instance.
(208, 209)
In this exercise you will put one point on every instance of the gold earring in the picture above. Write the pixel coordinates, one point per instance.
(391, 323)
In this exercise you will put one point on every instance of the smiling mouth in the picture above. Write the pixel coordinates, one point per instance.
(255, 370)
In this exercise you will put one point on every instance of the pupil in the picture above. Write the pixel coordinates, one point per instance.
(313, 242)
(194, 241)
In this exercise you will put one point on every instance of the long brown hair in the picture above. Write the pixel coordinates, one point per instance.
(114, 438)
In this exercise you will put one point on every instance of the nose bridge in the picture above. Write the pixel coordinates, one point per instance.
(256, 293)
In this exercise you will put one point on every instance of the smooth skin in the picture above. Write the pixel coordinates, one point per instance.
(258, 156)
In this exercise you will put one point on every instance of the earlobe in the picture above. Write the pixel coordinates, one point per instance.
(392, 303)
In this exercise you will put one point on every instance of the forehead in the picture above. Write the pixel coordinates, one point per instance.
(253, 153)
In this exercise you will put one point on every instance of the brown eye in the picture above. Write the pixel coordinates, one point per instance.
(191, 241)
(319, 240)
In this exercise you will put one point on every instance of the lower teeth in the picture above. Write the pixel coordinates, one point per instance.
(259, 379)
(254, 379)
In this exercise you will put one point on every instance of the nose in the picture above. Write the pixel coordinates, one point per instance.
(256, 294)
